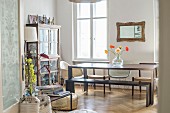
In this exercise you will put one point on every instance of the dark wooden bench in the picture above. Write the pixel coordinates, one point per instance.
(70, 85)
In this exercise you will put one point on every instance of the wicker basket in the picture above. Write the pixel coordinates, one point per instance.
(29, 105)
(64, 103)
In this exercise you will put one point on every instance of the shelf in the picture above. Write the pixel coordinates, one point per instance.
(50, 72)
(51, 57)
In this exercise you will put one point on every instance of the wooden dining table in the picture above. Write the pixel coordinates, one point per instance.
(86, 66)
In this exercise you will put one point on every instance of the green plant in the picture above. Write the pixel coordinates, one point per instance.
(30, 76)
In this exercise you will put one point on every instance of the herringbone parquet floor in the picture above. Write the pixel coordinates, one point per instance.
(115, 101)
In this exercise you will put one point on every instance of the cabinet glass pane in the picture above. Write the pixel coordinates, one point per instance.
(43, 69)
(53, 77)
(53, 65)
(44, 79)
(43, 35)
(53, 48)
(44, 48)
(53, 35)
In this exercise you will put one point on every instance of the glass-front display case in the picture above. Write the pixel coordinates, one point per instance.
(48, 44)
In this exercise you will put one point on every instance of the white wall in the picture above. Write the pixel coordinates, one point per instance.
(133, 11)
(64, 18)
(119, 11)
(40, 7)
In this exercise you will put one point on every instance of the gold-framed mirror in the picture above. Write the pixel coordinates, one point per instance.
(131, 31)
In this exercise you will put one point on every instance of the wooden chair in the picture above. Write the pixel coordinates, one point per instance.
(144, 79)
(77, 72)
(94, 76)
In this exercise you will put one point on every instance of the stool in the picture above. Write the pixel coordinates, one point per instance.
(83, 111)
(64, 103)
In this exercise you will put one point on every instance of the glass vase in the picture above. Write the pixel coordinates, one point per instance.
(117, 61)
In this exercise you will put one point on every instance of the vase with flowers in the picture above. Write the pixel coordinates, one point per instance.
(117, 61)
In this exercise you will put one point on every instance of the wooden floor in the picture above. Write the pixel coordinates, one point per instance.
(115, 101)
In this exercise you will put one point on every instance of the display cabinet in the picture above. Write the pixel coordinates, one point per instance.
(46, 68)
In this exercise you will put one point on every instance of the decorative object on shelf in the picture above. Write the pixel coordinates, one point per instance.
(49, 21)
(52, 21)
(30, 77)
(117, 61)
(33, 19)
(45, 20)
(85, 1)
(44, 55)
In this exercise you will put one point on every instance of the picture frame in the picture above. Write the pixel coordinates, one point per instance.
(33, 19)
(32, 49)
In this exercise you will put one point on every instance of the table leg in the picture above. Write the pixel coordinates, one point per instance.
(71, 101)
(70, 86)
(85, 76)
(147, 95)
(152, 88)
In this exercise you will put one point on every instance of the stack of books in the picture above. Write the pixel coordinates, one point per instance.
(62, 93)
(50, 89)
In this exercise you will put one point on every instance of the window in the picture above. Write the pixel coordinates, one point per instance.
(90, 30)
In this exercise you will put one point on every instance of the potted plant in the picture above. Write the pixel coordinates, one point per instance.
(30, 77)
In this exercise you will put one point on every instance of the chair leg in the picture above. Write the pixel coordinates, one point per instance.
(140, 87)
(132, 87)
(104, 89)
(94, 86)
(109, 85)
(104, 85)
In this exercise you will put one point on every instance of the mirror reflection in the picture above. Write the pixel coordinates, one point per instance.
(131, 31)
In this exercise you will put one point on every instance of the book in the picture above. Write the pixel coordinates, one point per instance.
(50, 89)
(62, 93)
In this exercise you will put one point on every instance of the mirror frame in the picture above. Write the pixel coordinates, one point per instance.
(142, 24)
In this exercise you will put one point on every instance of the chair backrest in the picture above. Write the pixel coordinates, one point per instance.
(156, 70)
(64, 70)
(118, 73)
(64, 65)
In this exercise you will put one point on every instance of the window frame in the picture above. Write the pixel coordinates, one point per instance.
(91, 59)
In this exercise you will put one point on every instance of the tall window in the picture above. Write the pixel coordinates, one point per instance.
(91, 30)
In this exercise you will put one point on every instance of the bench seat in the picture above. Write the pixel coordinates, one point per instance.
(70, 85)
